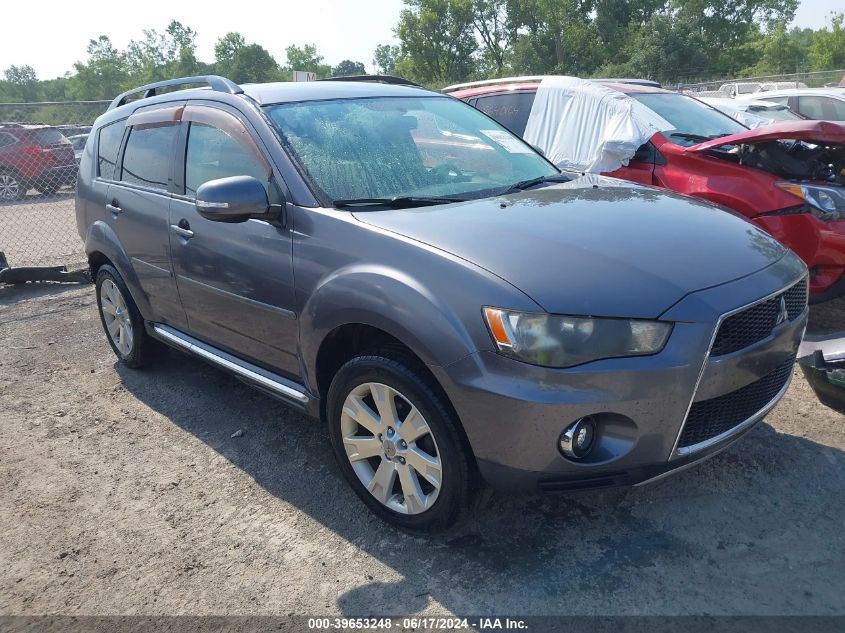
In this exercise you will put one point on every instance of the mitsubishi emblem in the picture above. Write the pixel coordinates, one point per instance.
(783, 313)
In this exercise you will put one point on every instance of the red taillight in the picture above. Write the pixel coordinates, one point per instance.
(32, 150)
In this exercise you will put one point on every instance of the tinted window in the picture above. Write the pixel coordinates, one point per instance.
(110, 137)
(146, 160)
(511, 110)
(48, 136)
(6, 139)
(213, 153)
(822, 108)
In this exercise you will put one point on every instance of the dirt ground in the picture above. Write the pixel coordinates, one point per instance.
(124, 492)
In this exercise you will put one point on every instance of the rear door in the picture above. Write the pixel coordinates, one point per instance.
(235, 279)
(138, 205)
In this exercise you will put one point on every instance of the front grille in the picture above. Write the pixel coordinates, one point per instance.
(754, 324)
(710, 418)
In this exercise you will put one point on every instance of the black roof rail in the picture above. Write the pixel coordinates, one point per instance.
(382, 79)
(215, 82)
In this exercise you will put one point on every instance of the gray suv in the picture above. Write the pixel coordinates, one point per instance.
(393, 261)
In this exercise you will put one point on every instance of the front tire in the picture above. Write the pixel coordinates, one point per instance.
(398, 443)
(122, 322)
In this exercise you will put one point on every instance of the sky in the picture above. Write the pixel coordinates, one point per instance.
(341, 29)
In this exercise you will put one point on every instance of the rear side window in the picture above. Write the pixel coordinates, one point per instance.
(48, 136)
(110, 137)
(146, 160)
(511, 110)
(822, 108)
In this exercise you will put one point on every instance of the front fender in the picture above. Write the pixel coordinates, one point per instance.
(390, 300)
(101, 238)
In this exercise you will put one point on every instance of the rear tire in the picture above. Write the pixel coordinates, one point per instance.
(121, 320)
(398, 443)
(11, 186)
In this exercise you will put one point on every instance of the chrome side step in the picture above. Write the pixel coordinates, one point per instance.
(274, 383)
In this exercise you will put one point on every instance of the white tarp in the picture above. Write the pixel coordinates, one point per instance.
(589, 127)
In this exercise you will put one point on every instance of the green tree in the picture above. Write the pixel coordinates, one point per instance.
(225, 50)
(307, 59)
(253, 64)
(104, 75)
(827, 51)
(555, 36)
(384, 59)
(21, 83)
(348, 68)
(436, 41)
(492, 27)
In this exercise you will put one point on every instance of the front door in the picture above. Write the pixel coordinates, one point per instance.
(235, 279)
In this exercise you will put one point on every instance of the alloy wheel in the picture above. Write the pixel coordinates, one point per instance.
(9, 187)
(116, 316)
(391, 448)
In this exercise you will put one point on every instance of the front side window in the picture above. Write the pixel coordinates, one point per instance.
(107, 148)
(692, 121)
(511, 110)
(146, 160)
(387, 147)
(213, 153)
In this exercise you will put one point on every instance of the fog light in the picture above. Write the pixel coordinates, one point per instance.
(578, 438)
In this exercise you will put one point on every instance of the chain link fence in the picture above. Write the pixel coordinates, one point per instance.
(40, 146)
(721, 87)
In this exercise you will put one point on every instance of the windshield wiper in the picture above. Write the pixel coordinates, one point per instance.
(397, 202)
(522, 185)
(696, 137)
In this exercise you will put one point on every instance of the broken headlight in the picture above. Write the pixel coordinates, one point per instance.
(826, 203)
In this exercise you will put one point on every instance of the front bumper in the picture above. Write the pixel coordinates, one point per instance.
(513, 413)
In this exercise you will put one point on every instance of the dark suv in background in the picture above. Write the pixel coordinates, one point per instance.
(34, 157)
(394, 261)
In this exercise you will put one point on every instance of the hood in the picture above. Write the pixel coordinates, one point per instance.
(818, 132)
(594, 246)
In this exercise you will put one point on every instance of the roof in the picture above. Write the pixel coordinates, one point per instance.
(287, 91)
(495, 86)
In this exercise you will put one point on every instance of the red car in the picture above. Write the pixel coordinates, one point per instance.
(34, 157)
(788, 178)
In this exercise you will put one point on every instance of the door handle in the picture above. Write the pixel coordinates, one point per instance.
(112, 206)
(182, 229)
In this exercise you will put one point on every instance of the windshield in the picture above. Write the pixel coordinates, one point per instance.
(391, 147)
(692, 121)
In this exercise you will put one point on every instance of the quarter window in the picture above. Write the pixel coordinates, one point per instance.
(213, 153)
(146, 161)
(109, 144)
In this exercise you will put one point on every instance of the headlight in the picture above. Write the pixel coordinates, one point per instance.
(826, 203)
(563, 341)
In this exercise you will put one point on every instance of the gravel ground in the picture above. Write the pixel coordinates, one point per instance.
(123, 492)
(41, 231)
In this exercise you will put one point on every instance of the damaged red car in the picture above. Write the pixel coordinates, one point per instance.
(787, 178)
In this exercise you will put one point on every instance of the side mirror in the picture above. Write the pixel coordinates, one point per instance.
(233, 199)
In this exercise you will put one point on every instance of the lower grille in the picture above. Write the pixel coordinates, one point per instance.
(710, 418)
